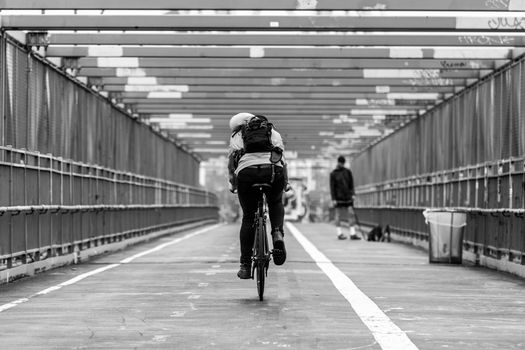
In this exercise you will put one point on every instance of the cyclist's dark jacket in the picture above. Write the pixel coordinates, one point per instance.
(342, 185)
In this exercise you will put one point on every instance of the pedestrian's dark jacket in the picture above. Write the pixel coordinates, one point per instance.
(341, 185)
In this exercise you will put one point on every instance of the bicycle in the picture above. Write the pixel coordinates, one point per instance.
(261, 254)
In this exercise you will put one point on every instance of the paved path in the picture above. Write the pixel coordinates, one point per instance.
(181, 292)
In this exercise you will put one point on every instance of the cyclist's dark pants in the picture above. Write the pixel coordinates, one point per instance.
(248, 200)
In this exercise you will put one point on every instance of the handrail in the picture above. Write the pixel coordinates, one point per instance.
(365, 187)
(449, 209)
(58, 208)
(84, 165)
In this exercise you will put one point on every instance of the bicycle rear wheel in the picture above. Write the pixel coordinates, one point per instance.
(262, 249)
(261, 275)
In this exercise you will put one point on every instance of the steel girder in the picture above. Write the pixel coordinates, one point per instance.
(319, 39)
(324, 22)
(357, 5)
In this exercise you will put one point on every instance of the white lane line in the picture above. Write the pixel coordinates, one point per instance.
(387, 334)
(102, 269)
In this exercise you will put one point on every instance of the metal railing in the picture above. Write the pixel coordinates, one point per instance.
(52, 206)
(491, 186)
(77, 170)
(492, 194)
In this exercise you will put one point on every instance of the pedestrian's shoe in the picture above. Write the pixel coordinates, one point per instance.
(245, 271)
(279, 250)
(355, 237)
(341, 236)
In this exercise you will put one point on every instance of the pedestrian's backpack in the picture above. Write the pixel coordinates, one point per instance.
(257, 136)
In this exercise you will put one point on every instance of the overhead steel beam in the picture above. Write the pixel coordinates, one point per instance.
(285, 95)
(307, 73)
(139, 66)
(266, 23)
(430, 81)
(285, 116)
(282, 102)
(218, 117)
(361, 5)
(231, 110)
(301, 89)
(278, 52)
(330, 125)
(284, 39)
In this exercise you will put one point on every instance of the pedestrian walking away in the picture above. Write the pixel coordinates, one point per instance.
(343, 196)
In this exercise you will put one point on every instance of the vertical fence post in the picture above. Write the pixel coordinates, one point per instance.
(3, 86)
(10, 160)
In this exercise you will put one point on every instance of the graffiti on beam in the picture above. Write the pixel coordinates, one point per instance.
(306, 4)
(378, 102)
(453, 64)
(516, 23)
(497, 4)
(375, 7)
(485, 40)
(429, 82)
(367, 10)
(426, 73)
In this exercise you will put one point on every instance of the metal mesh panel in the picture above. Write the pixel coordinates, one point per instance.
(521, 115)
(505, 116)
(2, 87)
(39, 110)
(469, 126)
(514, 112)
(496, 119)
(485, 144)
(10, 101)
(20, 101)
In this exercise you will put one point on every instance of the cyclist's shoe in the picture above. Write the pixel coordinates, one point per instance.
(279, 250)
(245, 271)
(355, 237)
(341, 236)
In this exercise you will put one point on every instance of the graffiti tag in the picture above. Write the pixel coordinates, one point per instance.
(507, 23)
(453, 64)
(430, 82)
(497, 4)
(485, 40)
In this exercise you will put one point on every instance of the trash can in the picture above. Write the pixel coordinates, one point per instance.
(446, 235)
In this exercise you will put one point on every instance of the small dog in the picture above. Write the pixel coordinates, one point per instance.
(377, 234)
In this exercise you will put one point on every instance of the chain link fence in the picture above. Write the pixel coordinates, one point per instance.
(485, 123)
(45, 111)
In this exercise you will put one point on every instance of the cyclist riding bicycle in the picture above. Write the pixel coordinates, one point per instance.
(256, 156)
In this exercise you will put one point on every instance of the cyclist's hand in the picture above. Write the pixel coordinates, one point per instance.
(232, 188)
(287, 187)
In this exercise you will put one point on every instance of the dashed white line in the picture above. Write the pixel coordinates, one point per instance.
(102, 269)
(387, 334)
